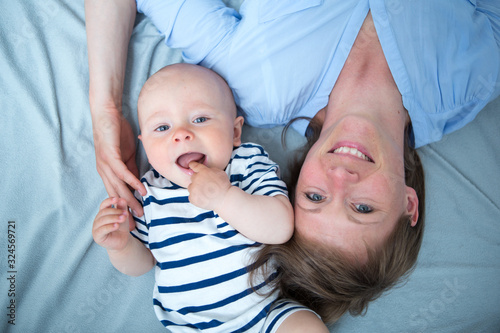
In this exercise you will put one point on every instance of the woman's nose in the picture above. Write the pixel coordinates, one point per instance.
(342, 176)
(183, 134)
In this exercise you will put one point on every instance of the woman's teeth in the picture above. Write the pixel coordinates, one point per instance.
(352, 151)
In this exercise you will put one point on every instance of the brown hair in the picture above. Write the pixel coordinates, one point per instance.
(331, 282)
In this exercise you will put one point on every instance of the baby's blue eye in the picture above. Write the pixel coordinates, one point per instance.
(363, 209)
(315, 197)
(162, 128)
(200, 120)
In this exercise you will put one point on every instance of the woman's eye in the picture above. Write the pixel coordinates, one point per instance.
(200, 120)
(314, 197)
(363, 209)
(162, 128)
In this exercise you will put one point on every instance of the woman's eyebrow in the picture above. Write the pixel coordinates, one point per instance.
(355, 220)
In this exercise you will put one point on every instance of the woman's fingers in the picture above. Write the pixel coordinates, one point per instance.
(117, 185)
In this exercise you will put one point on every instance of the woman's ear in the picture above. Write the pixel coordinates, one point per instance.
(412, 205)
(238, 127)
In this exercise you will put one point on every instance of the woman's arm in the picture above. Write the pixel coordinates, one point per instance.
(109, 26)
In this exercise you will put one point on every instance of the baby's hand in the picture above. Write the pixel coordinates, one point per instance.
(111, 225)
(208, 186)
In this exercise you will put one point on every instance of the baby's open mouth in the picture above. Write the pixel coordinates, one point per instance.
(184, 160)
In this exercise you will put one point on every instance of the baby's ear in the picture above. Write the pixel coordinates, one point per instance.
(238, 127)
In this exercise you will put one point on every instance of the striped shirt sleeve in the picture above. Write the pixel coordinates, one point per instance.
(253, 171)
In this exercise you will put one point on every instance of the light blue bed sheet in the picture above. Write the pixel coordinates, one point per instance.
(60, 281)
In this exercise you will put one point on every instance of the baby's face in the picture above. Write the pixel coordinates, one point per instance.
(187, 114)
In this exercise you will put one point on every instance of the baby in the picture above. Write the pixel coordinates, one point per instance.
(211, 203)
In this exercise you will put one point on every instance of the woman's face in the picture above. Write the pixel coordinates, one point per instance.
(351, 189)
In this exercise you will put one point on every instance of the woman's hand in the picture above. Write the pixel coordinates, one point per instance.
(115, 150)
(109, 26)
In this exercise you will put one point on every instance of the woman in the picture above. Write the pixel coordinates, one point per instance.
(373, 76)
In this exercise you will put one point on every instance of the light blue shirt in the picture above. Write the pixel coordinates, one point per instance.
(282, 58)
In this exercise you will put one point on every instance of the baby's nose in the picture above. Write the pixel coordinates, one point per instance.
(183, 134)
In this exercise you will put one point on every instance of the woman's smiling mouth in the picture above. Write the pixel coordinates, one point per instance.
(352, 151)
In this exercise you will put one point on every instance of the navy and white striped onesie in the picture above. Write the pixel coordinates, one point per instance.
(201, 272)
